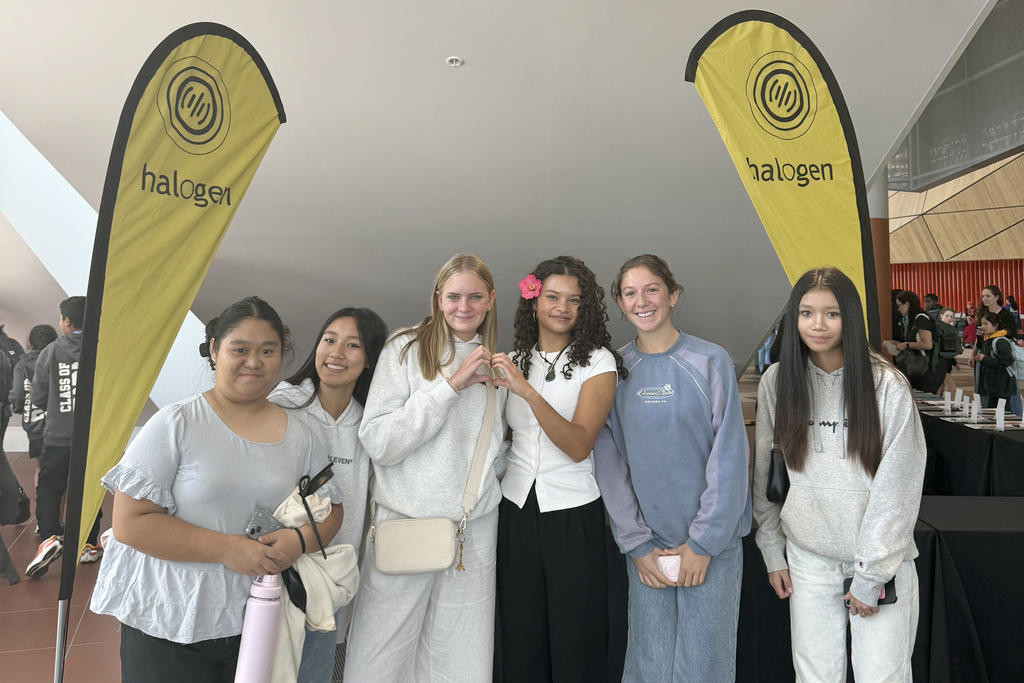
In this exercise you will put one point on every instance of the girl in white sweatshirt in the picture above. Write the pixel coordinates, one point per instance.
(327, 393)
(420, 426)
(855, 453)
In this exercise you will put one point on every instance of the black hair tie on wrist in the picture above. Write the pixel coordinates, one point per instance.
(307, 486)
(302, 541)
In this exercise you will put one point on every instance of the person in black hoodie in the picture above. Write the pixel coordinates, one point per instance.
(53, 390)
(39, 338)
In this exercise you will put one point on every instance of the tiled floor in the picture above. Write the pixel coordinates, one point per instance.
(28, 611)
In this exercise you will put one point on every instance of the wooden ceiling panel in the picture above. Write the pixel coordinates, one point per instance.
(1003, 187)
(956, 232)
(905, 206)
(913, 243)
(1007, 244)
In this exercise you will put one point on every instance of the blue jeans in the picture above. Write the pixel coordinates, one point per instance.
(1014, 405)
(318, 650)
(685, 634)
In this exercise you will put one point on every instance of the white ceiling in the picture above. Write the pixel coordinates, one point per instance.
(570, 129)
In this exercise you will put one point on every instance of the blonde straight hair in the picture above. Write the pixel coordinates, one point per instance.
(436, 346)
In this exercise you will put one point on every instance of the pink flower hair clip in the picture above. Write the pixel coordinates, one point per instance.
(530, 287)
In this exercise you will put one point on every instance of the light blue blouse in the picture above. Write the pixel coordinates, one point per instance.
(186, 460)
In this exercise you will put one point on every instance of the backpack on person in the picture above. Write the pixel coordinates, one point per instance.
(1016, 369)
(946, 344)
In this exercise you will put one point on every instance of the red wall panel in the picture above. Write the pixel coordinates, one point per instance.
(959, 282)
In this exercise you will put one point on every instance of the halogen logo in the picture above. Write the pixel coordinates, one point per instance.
(782, 96)
(194, 104)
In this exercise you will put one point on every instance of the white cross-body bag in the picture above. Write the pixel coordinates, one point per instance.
(427, 544)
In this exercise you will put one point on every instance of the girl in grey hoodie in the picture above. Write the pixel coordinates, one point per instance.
(328, 393)
(423, 415)
(845, 421)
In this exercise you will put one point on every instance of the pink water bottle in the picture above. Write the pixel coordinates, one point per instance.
(259, 631)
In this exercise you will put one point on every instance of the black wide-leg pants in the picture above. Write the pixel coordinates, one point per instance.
(553, 593)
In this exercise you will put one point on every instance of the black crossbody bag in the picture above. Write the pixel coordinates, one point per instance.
(778, 475)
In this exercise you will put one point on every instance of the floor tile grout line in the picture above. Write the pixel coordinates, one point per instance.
(54, 647)
(27, 649)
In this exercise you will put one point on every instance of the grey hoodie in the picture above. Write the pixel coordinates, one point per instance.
(21, 396)
(347, 455)
(54, 386)
(834, 507)
(421, 436)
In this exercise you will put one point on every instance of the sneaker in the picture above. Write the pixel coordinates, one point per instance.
(90, 553)
(48, 551)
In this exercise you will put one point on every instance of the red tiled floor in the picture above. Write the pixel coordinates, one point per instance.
(91, 662)
(34, 628)
(28, 611)
(32, 666)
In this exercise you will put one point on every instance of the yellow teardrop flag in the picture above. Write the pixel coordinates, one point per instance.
(784, 121)
(193, 130)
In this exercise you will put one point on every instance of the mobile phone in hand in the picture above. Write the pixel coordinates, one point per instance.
(261, 523)
(886, 596)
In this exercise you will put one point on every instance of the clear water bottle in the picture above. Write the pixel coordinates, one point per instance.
(259, 631)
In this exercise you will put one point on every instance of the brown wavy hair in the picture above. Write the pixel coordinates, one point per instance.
(591, 329)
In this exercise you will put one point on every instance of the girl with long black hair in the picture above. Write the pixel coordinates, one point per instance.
(854, 451)
(328, 393)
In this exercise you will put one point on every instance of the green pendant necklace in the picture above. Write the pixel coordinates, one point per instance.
(550, 377)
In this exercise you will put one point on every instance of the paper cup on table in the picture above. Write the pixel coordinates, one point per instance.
(958, 398)
(946, 403)
(1001, 414)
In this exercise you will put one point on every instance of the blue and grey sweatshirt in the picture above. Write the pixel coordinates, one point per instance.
(672, 461)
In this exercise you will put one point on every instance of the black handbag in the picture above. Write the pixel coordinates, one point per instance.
(912, 363)
(14, 504)
(778, 476)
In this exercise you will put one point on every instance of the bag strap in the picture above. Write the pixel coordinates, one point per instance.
(476, 467)
(1009, 368)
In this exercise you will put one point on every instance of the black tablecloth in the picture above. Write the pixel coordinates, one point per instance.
(971, 626)
(972, 600)
(972, 462)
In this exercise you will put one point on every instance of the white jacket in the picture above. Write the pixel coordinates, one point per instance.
(351, 464)
(330, 584)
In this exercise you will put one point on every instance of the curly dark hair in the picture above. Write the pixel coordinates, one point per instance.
(590, 331)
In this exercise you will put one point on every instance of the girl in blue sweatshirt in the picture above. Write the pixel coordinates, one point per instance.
(672, 469)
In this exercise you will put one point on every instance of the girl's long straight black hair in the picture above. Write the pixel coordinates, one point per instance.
(792, 404)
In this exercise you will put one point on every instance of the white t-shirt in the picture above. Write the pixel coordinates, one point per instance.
(561, 483)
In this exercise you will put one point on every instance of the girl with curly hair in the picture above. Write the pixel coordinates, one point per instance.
(552, 562)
